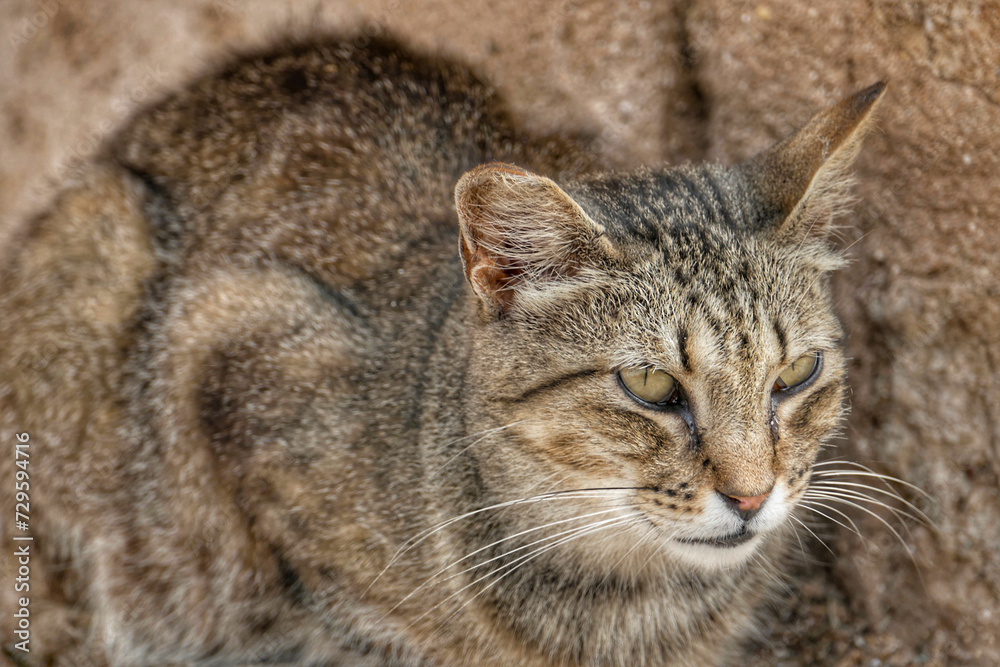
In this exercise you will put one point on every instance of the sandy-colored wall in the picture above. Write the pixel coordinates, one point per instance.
(677, 80)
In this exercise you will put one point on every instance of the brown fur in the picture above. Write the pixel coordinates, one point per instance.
(269, 410)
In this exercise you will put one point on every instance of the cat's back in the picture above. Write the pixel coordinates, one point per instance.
(332, 159)
(335, 154)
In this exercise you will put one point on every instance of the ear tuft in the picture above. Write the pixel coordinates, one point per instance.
(519, 230)
(801, 183)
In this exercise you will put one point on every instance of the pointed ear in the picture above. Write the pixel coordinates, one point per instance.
(801, 183)
(518, 232)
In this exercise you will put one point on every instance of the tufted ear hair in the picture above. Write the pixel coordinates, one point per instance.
(520, 234)
(801, 183)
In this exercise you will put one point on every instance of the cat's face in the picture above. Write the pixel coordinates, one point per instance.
(662, 339)
(698, 370)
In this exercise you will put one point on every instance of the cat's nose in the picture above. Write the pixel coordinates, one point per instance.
(746, 506)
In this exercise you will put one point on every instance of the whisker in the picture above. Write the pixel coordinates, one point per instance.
(845, 500)
(576, 533)
(552, 488)
(596, 492)
(922, 518)
(524, 560)
(449, 566)
(811, 506)
(801, 555)
(802, 547)
(657, 550)
(771, 573)
(645, 538)
(868, 472)
(827, 495)
(834, 494)
(801, 523)
(830, 492)
(484, 435)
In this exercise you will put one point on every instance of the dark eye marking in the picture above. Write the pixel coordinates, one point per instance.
(545, 386)
(803, 416)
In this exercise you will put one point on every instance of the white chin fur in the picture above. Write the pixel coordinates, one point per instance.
(708, 558)
(717, 520)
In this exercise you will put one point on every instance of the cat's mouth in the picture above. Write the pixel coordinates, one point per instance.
(724, 542)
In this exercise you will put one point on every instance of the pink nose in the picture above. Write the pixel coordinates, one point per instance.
(750, 503)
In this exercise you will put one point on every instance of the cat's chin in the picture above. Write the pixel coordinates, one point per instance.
(730, 543)
(722, 553)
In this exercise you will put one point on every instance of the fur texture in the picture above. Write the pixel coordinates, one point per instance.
(277, 418)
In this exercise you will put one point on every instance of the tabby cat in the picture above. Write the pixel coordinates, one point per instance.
(276, 418)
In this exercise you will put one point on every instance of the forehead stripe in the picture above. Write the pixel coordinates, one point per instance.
(719, 199)
(682, 345)
(779, 331)
(695, 193)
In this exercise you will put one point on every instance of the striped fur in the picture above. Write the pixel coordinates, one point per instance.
(278, 419)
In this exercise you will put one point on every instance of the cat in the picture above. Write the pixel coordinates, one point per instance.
(318, 366)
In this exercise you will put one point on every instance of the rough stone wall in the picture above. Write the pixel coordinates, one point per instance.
(678, 80)
(921, 299)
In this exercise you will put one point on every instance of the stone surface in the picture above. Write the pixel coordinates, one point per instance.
(692, 80)
(920, 299)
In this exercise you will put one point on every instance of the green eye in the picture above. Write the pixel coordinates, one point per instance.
(801, 370)
(650, 385)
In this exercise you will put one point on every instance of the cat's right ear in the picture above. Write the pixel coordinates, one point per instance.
(798, 185)
(520, 234)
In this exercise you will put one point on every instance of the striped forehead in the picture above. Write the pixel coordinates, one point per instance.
(717, 301)
(700, 273)
(644, 206)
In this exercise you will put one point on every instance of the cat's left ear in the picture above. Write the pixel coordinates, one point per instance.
(520, 234)
(801, 183)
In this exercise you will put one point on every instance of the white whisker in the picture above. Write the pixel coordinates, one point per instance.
(770, 572)
(802, 523)
(428, 532)
(831, 492)
(525, 558)
(645, 538)
(449, 566)
(868, 472)
(798, 539)
(845, 500)
(826, 484)
(481, 436)
(811, 506)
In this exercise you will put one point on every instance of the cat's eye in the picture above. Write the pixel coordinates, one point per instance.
(800, 370)
(650, 385)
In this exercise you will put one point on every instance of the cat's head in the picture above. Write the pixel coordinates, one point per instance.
(667, 333)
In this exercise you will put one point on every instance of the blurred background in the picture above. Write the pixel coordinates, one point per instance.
(676, 80)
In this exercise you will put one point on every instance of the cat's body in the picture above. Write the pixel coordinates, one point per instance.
(273, 420)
